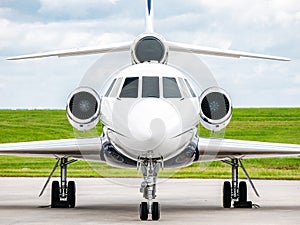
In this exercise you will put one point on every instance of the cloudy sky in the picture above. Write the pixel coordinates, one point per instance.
(267, 27)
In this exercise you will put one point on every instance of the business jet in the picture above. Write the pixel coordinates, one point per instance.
(150, 111)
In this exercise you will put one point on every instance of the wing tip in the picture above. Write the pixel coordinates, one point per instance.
(11, 58)
(286, 59)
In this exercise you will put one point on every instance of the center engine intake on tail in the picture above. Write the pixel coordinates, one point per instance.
(149, 47)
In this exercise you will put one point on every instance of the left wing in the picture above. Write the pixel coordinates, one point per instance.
(226, 148)
(77, 148)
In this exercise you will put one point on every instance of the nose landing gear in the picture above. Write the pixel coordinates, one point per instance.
(150, 169)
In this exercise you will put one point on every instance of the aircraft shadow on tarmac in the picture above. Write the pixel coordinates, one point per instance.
(132, 207)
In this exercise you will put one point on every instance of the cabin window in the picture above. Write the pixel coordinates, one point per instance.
(110, 88)
(130, 88)
(150, 87)
(190, 88)
(170, 88)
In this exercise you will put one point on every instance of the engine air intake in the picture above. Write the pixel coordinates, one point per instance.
(215, 105)
(215, 109)
(149, 48)
(83, 108)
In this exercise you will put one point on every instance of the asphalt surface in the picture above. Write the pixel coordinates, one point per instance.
(185, 201)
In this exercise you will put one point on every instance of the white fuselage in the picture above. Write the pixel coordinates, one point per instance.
(149, 110)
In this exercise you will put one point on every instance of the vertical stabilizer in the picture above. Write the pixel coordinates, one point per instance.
(149, 16)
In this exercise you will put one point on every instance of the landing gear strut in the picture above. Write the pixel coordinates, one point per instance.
(150, 169)
(63, 195)
(236, 191)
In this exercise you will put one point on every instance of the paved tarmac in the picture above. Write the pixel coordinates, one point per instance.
(185, 201)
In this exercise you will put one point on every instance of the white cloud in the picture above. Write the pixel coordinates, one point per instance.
(71, 5)
(28, 83)
(5, 12)
(269, 27)
(29, 37)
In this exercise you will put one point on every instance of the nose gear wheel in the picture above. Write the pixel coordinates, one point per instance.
(150, 169)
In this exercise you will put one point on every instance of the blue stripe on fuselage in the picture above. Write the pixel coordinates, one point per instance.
(149, 6)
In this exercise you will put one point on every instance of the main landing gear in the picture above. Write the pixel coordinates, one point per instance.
(237, 191)
(63, 194)
(150, 169)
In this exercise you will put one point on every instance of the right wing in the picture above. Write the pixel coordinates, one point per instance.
(87, 148)
(125, 46)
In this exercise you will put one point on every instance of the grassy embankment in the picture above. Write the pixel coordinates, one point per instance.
(274, 125)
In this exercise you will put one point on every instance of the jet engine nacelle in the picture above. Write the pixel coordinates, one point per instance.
(83, 108)
(149, 47)
(215, 109)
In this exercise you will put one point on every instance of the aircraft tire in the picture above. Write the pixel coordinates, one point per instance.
(155, 211)
(227, 194)
(71, 198)
(144, 211)
(243, 191)
(55, 199)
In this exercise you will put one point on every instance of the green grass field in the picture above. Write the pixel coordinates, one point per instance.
(280, 125)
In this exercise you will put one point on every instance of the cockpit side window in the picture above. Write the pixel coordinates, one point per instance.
(130, 88)
(110, 88)
(116, 88)
(190, 88)
(183, 88)
(170, 88)
(150, 87)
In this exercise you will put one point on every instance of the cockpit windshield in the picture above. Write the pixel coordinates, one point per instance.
(150, 87)
(130, 88)
(170, 88)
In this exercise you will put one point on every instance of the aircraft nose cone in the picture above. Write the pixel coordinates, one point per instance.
(157, 129)
(151, 122)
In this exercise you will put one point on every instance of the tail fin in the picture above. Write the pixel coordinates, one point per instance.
(149, 16)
